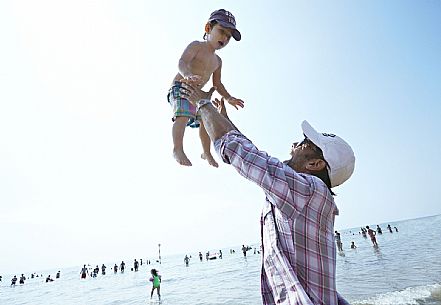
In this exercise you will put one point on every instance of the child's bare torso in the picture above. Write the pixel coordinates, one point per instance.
(203, 64)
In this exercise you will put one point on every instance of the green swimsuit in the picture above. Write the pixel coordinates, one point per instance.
(156, 281)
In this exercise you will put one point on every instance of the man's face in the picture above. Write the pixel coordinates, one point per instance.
(301, 153)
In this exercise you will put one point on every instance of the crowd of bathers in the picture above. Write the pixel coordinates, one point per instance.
(364, 232)
(94, 272)
(23, 278)
(86, 271)
(218, 255)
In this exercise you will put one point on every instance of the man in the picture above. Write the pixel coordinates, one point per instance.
(338, 241)
(372, 234)
(244, 250)
(299, 255)
(83, 272)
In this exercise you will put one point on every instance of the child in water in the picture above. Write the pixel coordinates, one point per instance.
(197, 65)
(156, 280)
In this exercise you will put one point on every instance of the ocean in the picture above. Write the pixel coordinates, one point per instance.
(405, 269)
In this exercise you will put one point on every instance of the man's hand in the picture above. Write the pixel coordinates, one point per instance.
(194, 79)
(220, 105)
(235, 102)
(194, 94)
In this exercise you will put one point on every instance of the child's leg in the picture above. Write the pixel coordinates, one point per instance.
(151, 294)
(159, 294)
(206, 143)
(178, 137)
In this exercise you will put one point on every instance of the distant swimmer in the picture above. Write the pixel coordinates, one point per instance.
(372, 236)
(389, 228)
(396, 229)
(57, 276)
(379, 231)
(14, 280)
(48, 279)
(200, 256)
(103, 269)
(353, 246)
(135, 265)
(338, 241)
(96, 271)
(122, 267)
(363, 232)
(115, 268)
(186, 260)
(156, 280)
(84, 272)
(22, 279)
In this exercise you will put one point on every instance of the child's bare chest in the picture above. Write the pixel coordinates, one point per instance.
(204, 64)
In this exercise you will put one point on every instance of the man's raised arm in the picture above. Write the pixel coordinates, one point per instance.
(215, 124)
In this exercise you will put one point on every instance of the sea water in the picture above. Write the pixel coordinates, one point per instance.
(404, 270)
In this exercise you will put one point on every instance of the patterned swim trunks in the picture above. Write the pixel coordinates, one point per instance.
(182, 107)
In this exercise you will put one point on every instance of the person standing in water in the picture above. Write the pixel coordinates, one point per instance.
(156, 281)
(389, 228)
(84, 272)
(379, 231)
(338, 241)
(372, 234)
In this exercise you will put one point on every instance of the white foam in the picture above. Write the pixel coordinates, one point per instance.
(408, 296)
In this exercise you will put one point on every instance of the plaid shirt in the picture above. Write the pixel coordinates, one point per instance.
(297, 227)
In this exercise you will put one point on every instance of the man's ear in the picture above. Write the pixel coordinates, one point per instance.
(315, 165)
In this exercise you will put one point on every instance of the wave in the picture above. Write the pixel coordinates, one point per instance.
(420, 295)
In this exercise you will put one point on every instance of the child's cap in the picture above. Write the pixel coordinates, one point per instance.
(227, 20)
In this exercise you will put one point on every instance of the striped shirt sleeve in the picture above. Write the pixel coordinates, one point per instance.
(286, 189)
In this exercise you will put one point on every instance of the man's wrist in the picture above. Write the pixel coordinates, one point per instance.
(202, 103)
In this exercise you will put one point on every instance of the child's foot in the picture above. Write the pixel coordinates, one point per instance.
(181, 158)
(210, 159)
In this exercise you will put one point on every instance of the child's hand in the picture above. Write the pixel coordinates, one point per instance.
(235, 102)
(194, 79)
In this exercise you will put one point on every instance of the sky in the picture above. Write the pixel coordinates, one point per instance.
(86, 167)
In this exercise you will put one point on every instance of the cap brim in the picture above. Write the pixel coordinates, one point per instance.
(234, 32)
(311, 133)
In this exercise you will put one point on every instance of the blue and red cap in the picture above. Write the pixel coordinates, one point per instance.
(227, 20)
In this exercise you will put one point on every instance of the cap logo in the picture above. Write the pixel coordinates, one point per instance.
(328, 135)
(230, 18)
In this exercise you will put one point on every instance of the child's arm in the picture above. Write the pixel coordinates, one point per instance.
(185, 60)
(221, 89)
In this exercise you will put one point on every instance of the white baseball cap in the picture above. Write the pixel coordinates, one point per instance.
(337, 153)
